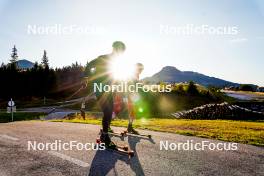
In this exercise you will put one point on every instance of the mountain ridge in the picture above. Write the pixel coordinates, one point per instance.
(173, 75)
(24, 64)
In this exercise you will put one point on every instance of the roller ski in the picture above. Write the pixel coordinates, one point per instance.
(131, 130)
(110, 145)
(123, 133)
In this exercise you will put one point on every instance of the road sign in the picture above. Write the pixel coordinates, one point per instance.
(11, 103)
(10, 109)
(83, 106)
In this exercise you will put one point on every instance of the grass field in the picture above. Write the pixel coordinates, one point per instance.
(251, 93)
(247, 132)
(19, 116)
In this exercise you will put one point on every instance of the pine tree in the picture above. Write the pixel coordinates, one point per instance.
(14, 55)
(45, 61)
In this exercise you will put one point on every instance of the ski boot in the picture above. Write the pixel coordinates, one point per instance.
(104, 138)
(131, 130)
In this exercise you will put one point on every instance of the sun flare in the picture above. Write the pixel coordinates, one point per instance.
(121, 69)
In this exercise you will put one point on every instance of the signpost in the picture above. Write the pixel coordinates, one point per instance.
(11, 108)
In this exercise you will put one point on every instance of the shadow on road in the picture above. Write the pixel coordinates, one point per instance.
(105, 160)
(135, 163)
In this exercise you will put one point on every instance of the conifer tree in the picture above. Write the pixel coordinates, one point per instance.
(44, 60)
(14, 56)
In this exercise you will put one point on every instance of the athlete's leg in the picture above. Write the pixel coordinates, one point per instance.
(131, 115)
(106, 104)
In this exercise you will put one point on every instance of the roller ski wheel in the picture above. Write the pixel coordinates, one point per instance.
(124, 150)
(98, 141)
(118, 148)
(136, 133)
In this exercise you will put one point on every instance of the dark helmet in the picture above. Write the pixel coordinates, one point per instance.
(119, 46)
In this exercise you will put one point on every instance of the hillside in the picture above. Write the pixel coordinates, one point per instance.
(172, 74)
(24, 64)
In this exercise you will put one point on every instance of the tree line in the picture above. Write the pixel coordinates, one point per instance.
(39, 81)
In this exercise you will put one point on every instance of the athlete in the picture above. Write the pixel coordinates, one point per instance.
(131, 106)
(99, 73)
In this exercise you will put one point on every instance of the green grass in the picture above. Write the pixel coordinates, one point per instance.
(19, 116)
(252, 93)
(247, 132)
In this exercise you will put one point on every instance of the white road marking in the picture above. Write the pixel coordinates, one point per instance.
(68, 158)
(54, 153)
(8, 137)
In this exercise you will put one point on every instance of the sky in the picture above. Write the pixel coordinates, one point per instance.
(156, 33)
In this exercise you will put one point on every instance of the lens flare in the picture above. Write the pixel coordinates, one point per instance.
(140, 109)
(121, 69)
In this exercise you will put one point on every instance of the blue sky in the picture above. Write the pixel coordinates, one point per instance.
(237, 58)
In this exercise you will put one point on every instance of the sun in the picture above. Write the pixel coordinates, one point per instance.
(121, 69)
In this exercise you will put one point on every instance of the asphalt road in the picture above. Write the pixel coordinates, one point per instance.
(16, 159)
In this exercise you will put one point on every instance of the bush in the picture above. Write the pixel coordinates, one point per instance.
(246, 87)
(192, 88)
